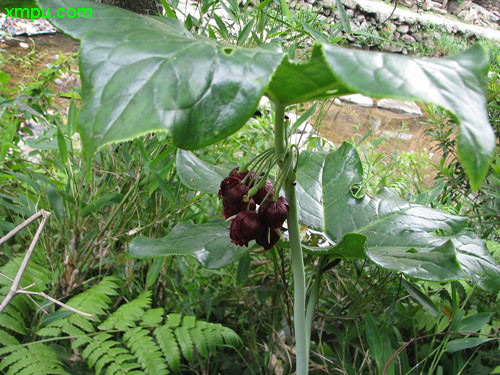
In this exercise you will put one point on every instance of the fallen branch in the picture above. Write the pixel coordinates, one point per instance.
(15, 289)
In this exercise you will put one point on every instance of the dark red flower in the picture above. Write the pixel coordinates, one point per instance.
(235, 173)
(245, 227)
(268, 238)
(262, 192)
(236, 193)
(232, 208)
(227, 184)
(273, 213)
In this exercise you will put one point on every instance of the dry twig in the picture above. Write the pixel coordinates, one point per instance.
(15, 289)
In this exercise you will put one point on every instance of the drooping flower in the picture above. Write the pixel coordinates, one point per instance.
(262, 192)
(274, 213)
(235, 173)
(268, 238)
(245, 227)
(231, 208)
(226, 184)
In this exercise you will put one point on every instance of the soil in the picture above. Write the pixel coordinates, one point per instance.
(22, 64)
(402, 132)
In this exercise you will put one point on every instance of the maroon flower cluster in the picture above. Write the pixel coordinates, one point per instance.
(248, 223)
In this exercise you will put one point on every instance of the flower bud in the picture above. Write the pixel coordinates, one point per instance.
(245, 227)
(273, 213)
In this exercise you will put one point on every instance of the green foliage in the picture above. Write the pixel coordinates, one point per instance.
(452, 186)
(136, 338)
(15, 321)
(254, 72)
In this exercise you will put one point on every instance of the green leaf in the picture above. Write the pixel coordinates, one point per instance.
(243, 269)
(457, 84)
(56, 201)
(244, 33)
(344, 18)
(209, 243)
(106, 200)
(373, 339)
(198, 175)
(461, 344)
(401, 236)
(474, 322)
(415, 292)
(146, 74)
(154, 272)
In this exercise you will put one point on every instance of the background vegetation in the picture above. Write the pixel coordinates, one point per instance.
(169, 314)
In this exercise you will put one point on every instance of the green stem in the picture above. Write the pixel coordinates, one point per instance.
(312, 301)
(299, 308)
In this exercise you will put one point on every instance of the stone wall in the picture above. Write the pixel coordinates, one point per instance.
(405, 33)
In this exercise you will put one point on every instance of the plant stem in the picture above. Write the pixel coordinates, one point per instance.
(299, 308)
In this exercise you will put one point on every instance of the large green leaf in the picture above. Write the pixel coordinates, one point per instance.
(198, 175)
(144, 74)
(419, 241)
(209, 243)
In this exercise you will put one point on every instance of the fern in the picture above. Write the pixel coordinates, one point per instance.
(134, 339)
(18, 358)
(138, 339)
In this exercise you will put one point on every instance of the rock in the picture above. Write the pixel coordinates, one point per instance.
(397, 135)
(396, 36)
(358, 99)
(400, 106)
(408, 39)
(427, 5)
(418, 37)
(350, 13)
(24, 45)
(389, 28)
(408, 3)
(405, 51)
(403, 29)
(351, 4)
(58, 82)
(307, 6)
(395, 48)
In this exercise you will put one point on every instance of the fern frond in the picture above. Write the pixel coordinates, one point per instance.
(169, 347)
(7, 339)
(34, 274)
(95, 299)
(185, 342)
(146, 351)
(153, 317)
(128, 314)
(200, 341)
(35, 359)
(13, 324)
